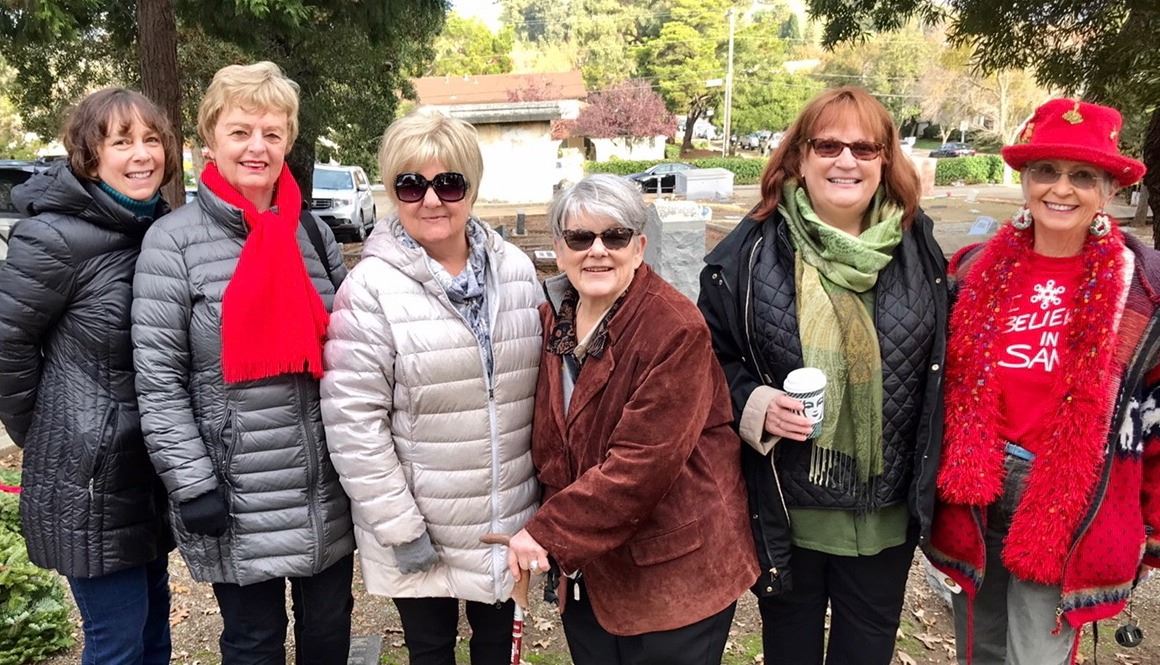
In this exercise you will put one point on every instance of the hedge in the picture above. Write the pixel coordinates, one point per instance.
(974, 170)
(746, 171)
(34, 622)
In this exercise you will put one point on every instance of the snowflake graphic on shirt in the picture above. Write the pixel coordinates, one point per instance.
(1047, 295)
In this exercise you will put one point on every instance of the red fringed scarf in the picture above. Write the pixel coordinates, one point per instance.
(1063, 477)
(273, 320)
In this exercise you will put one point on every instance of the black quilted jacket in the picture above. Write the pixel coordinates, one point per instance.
(748, 299)
(91, 503)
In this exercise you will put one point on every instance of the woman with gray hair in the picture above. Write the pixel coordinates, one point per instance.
(642, 492)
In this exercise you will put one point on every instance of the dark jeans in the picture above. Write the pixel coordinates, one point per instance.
(430, 626)
(254, 618)
(865, 595)
(700, 643)
(125, 615)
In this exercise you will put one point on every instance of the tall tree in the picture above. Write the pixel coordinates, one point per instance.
(765, 95)
(686, 55)
(629, 110)
(1103, 50)
(351, 59)
(466, 46)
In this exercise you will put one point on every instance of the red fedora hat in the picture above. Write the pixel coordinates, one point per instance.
(1077, 131)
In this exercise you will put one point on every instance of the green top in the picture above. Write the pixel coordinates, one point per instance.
(846, 533)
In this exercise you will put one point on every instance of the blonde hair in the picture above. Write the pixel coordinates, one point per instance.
(258, 87)
(424, 136)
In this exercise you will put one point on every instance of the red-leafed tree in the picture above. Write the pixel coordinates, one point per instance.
(631, 109)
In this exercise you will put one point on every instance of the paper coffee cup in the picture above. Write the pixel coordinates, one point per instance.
(808, 385)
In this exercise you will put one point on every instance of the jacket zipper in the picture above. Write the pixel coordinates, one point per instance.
(757, 365)
(1147, 350)
(312, 475)
(498, 563)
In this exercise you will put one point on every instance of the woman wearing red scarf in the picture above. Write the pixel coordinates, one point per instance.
(231, 306)
(1049, 485)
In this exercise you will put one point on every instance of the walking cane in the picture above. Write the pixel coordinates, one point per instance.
(519, 595)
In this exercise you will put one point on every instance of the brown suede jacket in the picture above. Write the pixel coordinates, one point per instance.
(642, 480)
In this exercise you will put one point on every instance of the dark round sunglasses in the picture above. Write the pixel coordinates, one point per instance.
(617, 237)
(863, 151)
(449, 187)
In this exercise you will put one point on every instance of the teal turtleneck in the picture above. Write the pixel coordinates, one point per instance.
(146, 208)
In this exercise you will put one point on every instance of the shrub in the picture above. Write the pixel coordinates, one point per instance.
(969, 170)
(34, 619)
(745, 171)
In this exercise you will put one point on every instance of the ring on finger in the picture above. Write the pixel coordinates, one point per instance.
(534, 566)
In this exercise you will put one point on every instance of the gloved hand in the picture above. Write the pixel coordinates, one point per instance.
(206, 515)
(416, 556)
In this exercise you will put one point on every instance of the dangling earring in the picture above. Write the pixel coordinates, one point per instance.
(1101, 225)
(1022, 219)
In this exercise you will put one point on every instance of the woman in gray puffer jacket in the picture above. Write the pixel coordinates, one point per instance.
(231, 306)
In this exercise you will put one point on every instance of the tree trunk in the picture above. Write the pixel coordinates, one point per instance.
(1141, 208)
(157, 60)
(687, 141)
(1152, 178)
(301, 163)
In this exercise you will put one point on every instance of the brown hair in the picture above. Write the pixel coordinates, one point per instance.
(105, 113)
(898, 174)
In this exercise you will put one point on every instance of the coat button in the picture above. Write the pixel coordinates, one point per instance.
(938, 280)
(754, 515)
(934, 367)
(769, 589)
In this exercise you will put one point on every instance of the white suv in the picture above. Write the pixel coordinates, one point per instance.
(342, 198)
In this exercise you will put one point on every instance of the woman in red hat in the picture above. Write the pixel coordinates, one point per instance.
(1049, 484)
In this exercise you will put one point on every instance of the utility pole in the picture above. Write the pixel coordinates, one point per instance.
(732, 14)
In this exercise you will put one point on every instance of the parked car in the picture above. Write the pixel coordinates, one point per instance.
(342, 198)
(12, 173)
(660, 177)
(953, 150)
(751, 141)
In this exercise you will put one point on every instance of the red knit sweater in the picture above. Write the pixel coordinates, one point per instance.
(1120, 524)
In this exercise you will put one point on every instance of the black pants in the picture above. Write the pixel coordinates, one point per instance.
(431, 624)
(254, 618)
(700, 643)
(865, 595)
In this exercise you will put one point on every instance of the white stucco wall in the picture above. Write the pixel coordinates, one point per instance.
(519, 162)
(624, 148)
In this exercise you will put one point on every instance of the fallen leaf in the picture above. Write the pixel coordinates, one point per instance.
(544, 625)
(929, 641)
(178, 588)
(905, 658)
(178, 614)
(759, 659)
(542, 644)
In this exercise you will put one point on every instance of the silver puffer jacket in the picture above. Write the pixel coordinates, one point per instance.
(263, 440)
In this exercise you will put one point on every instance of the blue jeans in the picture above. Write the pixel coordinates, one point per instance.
(125, 615)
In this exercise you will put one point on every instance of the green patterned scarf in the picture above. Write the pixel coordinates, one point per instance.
(835, 275)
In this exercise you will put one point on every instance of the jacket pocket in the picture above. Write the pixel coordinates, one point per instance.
(99, 445)
(227, 436)
(667, 546)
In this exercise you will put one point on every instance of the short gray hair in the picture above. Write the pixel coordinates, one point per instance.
(600, 195)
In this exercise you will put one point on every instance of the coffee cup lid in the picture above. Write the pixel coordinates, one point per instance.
(806, 379)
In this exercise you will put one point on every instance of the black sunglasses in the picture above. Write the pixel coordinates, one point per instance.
(863, 151)
(617, 237)
(449, 187)
(1047, 174)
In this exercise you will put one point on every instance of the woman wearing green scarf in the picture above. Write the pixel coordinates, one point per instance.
(836, 269)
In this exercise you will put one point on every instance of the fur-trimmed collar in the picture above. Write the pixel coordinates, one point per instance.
(1064, 475)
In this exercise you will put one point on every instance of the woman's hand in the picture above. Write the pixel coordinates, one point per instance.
(783, 417)
(524, 553)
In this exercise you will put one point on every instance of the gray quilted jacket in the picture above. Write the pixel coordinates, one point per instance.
(262, 439)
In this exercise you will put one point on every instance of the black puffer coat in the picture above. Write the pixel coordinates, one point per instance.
(748, 299)
(91, 503)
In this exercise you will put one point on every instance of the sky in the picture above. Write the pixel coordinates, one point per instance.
(485, 10)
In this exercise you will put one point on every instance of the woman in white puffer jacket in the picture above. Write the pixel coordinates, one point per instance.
(431, 363)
